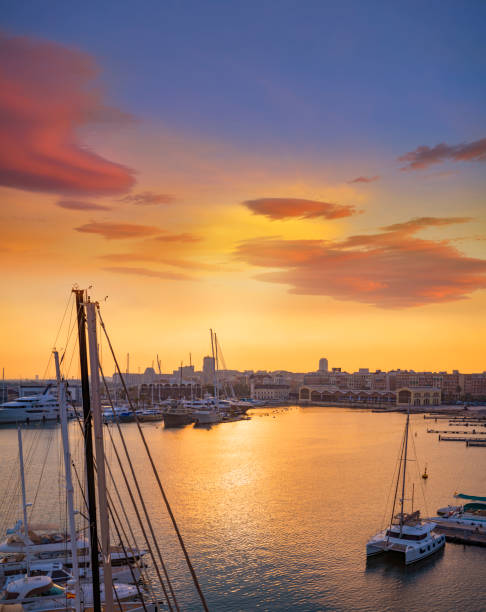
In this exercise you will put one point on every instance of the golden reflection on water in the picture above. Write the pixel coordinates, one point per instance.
(276, 511)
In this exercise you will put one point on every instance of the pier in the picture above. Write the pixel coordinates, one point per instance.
(462, 534)
(461, 439)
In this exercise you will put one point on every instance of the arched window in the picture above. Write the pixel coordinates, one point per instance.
(404, 396)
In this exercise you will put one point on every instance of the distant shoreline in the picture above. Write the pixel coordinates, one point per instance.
(442, 409)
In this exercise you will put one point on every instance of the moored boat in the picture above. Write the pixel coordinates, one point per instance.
(407, 535)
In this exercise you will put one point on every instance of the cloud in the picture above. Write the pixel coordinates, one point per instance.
(78, 205)
(364, 179)
(148, 198)
(285, 208)
(169, 261)
(391, 269)
(117, 231)
(183, 237)
(150, 273)
(418, 223)
(423, 156)
(46, 96)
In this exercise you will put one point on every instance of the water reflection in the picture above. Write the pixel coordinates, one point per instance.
(276, 511)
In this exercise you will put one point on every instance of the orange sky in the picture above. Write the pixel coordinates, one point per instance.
(285, 254)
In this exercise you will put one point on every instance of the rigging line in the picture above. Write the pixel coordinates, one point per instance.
(419, 475)
(57, 335)
(402, 449)
(71, 328)
(390, 489)
(39, 482)
(86, 504)
(166, 501)
(112, 511)
(142, 503)
(125, 516)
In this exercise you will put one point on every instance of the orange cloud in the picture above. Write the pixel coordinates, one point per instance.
(117, 231)
(77, 205)
(183, 237)
(45, 97)
(148, 198)
(150, 273)
(169, 261)
(285, 208)
(364, 179)
(423, 156)
(392, 269)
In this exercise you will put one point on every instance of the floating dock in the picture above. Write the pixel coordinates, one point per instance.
(461, 439)
(462, 534)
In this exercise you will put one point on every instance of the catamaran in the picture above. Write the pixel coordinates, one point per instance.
(407, 534)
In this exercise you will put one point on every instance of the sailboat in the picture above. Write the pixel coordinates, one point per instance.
(407, 534)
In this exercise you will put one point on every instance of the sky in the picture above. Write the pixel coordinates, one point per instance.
(308, 179)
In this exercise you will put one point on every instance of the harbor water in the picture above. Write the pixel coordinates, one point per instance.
(276, 511)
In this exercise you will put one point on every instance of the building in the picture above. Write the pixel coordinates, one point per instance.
(335, 395)
(208, 371)
(270, 391)
(418, 396)
(323, 365)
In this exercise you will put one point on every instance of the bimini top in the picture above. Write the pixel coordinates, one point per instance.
(471, 497)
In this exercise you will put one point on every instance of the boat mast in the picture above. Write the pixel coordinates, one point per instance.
(216, 390)
(404, 468)
(61, 390)
(88, 449)
(24, 499)
(22, 482)
(100, 453)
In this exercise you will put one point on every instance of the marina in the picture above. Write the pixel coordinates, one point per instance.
(282, 477)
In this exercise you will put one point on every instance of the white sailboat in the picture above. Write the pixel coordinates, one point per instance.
(407, 534)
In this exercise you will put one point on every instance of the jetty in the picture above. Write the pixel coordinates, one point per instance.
(462, 534)
(460, 439)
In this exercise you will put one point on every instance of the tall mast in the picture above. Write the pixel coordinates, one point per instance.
(100, 454)
(88, 450)
(61, 391)
(404, 468)
(22, 482)
(24, 497)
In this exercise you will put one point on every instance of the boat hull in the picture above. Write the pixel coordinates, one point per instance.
(177, 420)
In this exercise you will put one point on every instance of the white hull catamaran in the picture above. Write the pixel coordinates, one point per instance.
(407, 534)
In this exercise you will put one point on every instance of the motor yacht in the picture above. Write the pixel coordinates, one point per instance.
(30, 408)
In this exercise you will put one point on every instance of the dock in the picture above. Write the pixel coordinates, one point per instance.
(450, 431)
(462, 534)
(461, 439)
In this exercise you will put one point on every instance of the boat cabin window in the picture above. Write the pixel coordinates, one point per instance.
(406, 536)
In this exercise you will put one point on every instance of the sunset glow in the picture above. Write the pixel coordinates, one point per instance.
(306, 185)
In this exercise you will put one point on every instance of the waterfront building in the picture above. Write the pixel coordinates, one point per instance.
(418, 396)
(335, 395)
(270, 391)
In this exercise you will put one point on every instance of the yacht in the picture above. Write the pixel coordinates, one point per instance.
(41, 593)
(407, 535)
(29, 408)
(45, 544)
(177, 414)
(472, 513)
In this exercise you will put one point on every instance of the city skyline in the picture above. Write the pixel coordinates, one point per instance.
(309, 181)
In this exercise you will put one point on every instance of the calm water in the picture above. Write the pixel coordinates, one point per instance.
(276, 511)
